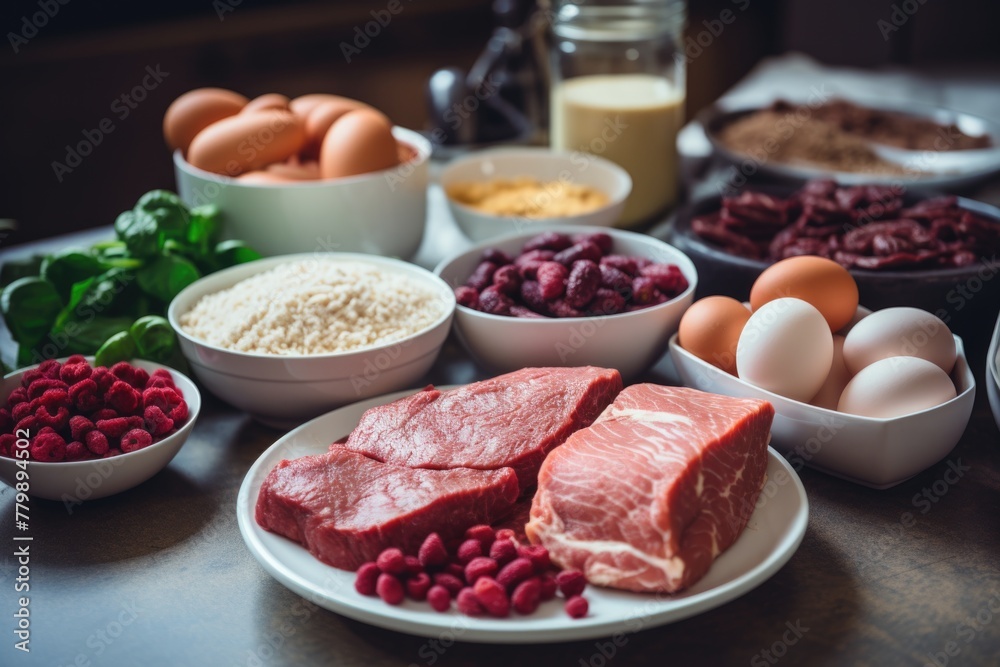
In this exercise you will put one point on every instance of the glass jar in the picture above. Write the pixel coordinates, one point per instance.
(617, 77)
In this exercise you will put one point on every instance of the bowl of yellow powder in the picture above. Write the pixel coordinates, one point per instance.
(512, 190)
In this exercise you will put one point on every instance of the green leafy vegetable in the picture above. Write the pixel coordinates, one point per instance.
(108, 299)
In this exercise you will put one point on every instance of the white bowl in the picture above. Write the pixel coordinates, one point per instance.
(381, 213)
(544, 165)
(286, 390)
(993, 373)
(629, 342)
(878, 453)
(76, 481)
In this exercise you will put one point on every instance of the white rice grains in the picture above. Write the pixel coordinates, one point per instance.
(314, 306)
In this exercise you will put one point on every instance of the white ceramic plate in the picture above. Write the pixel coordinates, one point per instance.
(993, 373)
(878, 453)
(772, 536)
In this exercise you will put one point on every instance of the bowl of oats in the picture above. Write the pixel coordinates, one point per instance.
(512, 190)
(288, 338)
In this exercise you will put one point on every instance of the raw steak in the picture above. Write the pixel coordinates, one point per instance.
(512, 420)
(662, 483)
(345, 507)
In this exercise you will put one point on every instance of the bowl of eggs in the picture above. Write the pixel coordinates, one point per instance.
(314, 173)
(872, 397)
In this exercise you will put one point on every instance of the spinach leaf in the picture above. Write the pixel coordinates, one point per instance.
(30, 307)
(168, 210)
(167, 275)
(139, 231)
(87, 336)
(108, 294)
(66, 268)
(204, 228)
(154, 337)
(231, 253)
(119, 347)
(19, 268)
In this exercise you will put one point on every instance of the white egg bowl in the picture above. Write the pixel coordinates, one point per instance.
(542, 164)
(993, 373)
(286, 390)
(878, 453)
(629, 342)
(77, 481)
(381, 213)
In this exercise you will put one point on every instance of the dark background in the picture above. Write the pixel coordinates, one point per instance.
(63, 81)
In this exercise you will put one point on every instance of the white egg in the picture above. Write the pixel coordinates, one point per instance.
(899, 332)
(896, 386)
(786, 347)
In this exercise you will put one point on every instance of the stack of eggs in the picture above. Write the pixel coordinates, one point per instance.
(802, 336)
(273, 140)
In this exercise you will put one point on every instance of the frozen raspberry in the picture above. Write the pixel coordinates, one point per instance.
(391, 560)
(164, 398)
(156, 422)
(497, 256)
(19, 395)
(467, 296)
(548, 587)
(468, 603)
(439, 598)
(135, 440)
(529, 257)
(494, 302)
(515, 572)
(180, 412)
(80, 426)
(503, 551)
(106, 413)
(482, 276)
(40, 386)
(622, 263)
(560, 308)
(73, 373)
(552, 279)
(602, 240)
(493, 596)
(22, 410)
(55, 398)
(48, 446)
(581, 286)
(29, 424)
(506, 534)
(607, 302)
(547, 241)
(113, 428)
(413, 565)
(162, 376)
(527, 596)
(114, 451)
(6, 420)
(50, 368)
(538, 555)
(31, 376)
(614, 279)
(85, 396)
(449, 581)
(483, 533)
(389, 588)
(124, 371)
(367, 576)
(75, 359)
(123, 397)
(455, 569)
(140, 378)
(433, 552)
(418, 586)
(507, 280)
(643, 290)
(76, 451)
(577, 606)
(480, 567)
(531, 295)
(96, 442)
(7, 441)
(468, 550)
(578, 251)
(104, 379)
(667, 278)
(57, 419)
(571, 582)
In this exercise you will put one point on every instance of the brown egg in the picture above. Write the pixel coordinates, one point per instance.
(323, 116)
(261, 177)
(295, 169)
(268, 101)
(405, 152)
(359, 142)
(711, 328)
(247, 142)
(304, 104)
(195, 110)
(818, 281)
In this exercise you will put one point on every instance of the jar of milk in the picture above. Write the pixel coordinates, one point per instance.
(617, 71)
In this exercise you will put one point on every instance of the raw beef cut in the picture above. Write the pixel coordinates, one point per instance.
(661, 484)
(512, 420)
(345, 507)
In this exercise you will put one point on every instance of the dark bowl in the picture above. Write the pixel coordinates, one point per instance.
(967, 299)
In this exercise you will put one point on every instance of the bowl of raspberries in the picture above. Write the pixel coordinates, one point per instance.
(569, 296)
(70, 431)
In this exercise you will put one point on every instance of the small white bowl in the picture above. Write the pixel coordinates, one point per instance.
(381, 213)
(76, 481)
(544, 165)
(993, 373)
(878, 453)
(286, 390)
(629, 342)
